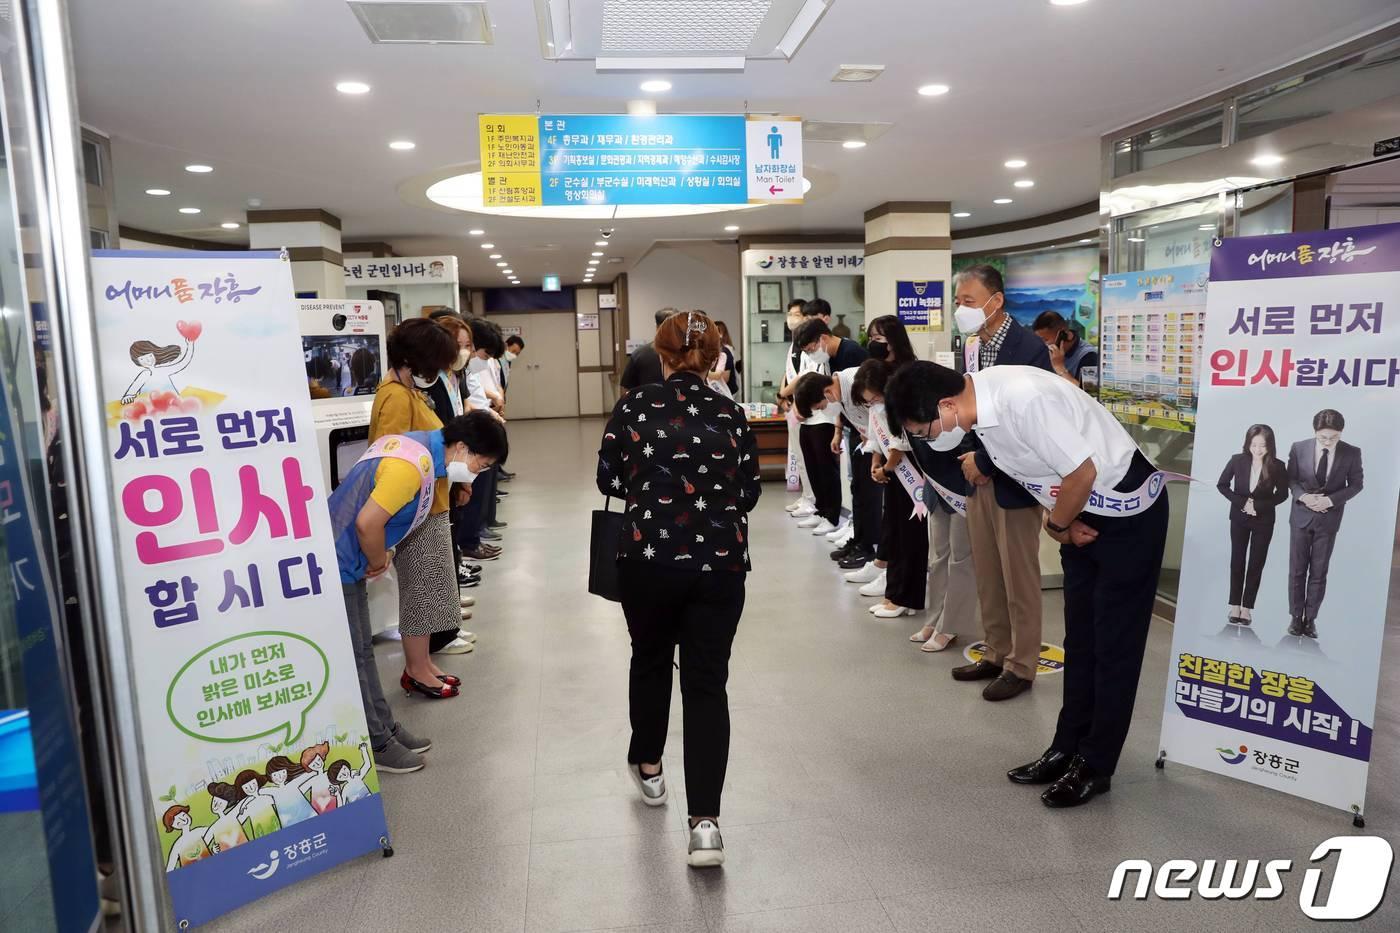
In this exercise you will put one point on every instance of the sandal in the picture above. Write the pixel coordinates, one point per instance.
(938, 642)
(923, 634)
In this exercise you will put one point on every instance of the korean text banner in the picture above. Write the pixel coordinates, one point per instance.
(1284, 581)
(254, 735)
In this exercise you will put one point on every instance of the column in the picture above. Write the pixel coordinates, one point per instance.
(311, 237)
(909, 241)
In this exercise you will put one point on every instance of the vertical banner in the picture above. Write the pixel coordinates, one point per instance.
(254, 735)
(1284, 582)
(919, 306)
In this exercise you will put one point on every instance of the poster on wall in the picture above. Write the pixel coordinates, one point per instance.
(254, 737)
(1285, 577)
(1061, 280)
(1153, 325)
(919, 305)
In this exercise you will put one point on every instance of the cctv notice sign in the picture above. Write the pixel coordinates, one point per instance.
(1286, 567)
(254, 737)
(558, 160)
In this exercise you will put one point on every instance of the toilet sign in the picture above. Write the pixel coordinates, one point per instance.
(919, 305)
(774, 159)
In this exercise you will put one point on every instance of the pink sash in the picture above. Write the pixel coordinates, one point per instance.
(399, 447)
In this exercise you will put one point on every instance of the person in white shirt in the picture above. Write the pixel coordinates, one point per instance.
(805, 506)
(1109, 511)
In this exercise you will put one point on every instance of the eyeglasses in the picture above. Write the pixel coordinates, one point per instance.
(923, 435)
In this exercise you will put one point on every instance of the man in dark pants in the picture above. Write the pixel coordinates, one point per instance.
(830, 354)
(644, 365)
(1324, 472)
(815, 392)
(1042, 431)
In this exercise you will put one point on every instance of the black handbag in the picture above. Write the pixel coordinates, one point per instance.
(602, 553)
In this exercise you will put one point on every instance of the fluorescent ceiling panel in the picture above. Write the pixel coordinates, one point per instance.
(424, 22)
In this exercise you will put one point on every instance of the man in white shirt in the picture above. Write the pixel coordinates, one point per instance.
(1109, 511)
(815, 393)
(816, 435)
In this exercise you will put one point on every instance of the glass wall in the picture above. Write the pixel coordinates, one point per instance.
(767, 297)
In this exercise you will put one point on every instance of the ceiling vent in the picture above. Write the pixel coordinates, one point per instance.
(675, 35)
(857, 74)
(828, 131)
(424, 22)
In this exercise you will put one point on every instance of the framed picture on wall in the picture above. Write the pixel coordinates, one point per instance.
(804, 288)
(770, 297)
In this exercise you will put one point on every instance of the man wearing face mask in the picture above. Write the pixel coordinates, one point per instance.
(1003, 520)
(821, 432)
(805, 505)
(1109, 512)
(515, 345)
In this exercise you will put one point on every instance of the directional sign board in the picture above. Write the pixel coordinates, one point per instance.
(615, 159)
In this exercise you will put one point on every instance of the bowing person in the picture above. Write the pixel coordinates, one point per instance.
(1256, 483)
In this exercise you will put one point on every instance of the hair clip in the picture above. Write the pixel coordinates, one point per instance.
(693, 326)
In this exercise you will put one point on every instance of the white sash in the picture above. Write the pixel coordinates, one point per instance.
(908, 475)
(1108, 503)
(972, 359)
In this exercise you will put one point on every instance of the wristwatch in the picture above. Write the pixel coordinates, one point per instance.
(1057, 529)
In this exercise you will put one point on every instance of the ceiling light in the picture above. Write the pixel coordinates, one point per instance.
(189, 210)
(488, 245)
(656, 87)
(1267, 160)
(502, 265)
(403, 145)
(1087, 239)
(933, 90)
(1002, 201)
(1015, 163)
(1067, 2)
(1137, 239)
(197, 169)
(595, 254)
(157, 192)
(963, 214)
(352, 87)
(593, 262)
(600, 243)
(496, 256)
(230, 225)
(732, 228)
(853, 144)
(1024, 183)
(477, 232)
(509, 273)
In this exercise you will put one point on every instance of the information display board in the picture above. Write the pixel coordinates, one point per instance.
(919, 305)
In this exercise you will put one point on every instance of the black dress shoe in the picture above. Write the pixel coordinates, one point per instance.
(496, 526)
(1006, 686)
(1080, 784)
(856, 560)
(844, 551)
(1234, 620)
(1310, 628)
(1046, 769)
(1296, 627)
(979, 670)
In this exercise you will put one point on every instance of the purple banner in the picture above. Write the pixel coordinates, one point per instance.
(1348, 251)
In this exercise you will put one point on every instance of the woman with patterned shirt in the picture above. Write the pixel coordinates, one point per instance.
(686, 462)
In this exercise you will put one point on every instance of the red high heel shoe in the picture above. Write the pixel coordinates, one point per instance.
(410, 686)
(452, 680)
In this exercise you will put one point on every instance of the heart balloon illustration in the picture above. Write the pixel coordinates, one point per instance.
(190, 330)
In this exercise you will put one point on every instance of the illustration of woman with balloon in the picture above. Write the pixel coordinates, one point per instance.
(159, 365)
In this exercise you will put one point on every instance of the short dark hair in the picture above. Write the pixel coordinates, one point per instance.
(817, 307)
(1050, 320)
(663, 314)
(808, 390)
(797, 303)
(515, 340)
(989, 276)
(421, 345)
(871, 376)
(914, 391)
(1329, 419)
(486, 335)
(809, 330)
(482, 433)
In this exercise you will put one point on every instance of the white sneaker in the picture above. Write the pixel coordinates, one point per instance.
(824, 528)
(466, 613)
(841, 536)
(841, 526)
(890, 612)
(865, 574)
(813, 521)
(458, 646)
(653, 788)
(468, 601)
(466, 636)
(806, 511)
(794, 506)
(875, 587)
(706, 846)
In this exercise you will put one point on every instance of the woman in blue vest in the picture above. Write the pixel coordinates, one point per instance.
(386, 495)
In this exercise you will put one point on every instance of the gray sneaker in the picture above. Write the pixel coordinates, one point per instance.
(395, 759)
(410, 741)
(653, 788)
(706, 845)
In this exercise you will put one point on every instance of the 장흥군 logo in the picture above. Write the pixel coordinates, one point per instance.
(1232, 757)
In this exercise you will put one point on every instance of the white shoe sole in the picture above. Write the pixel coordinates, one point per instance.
(457, 646)
(706, 858)
(862, 576)
(875, 587)
(636, 774)
(880, 612)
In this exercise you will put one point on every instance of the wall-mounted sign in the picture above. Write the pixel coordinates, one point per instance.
(415, 270)
(1386, 147)
(607, 301)
(560, 160)
(588, 320)
(919, 305)
(761, 261)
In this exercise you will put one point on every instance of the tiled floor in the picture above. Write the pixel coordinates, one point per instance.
(865, 791)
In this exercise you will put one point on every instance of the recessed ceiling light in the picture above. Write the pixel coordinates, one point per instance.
(508, 272)
(1137, 239)
(1087, 239)
(352, 87)
(476, 233)
(853, 144)
(496, 256)
(963, 214)
(189, 210)
(600, 243)
(1002, 201)
(502, 265)
(1024, 183)
(157, 192)
(197, 169)
(933, 90)
(656, 87)
(1267, 160)
(1015, 163)
(230, 225)
(403, 145)
(1206, 227)
(732, 228)
(1067, 2)
(593, 262)
(488, 245)
(597, 254)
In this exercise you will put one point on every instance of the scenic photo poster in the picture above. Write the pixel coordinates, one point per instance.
(1061, 280)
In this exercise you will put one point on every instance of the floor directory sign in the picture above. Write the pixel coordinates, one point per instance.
(1285, 577)
(1151, 327)
(617, 159)
(254, 735)
(919, 305)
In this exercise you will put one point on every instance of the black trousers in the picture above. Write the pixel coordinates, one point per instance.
(867, 497)
(823, 468)
(700, 612)
(1309, 555)
(1249, 549)
(1110, 589)
(905, 549)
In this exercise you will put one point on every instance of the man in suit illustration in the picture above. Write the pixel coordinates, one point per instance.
(1323, 473)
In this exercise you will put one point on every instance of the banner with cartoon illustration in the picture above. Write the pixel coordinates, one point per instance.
(1285, 578)
(248, 697)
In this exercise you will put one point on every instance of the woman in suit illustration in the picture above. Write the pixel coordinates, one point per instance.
(1256, 483)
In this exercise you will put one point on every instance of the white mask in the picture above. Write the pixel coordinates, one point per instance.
(948, 438)
(819, 355)
(510, 356)
(459, 472)
(969, 319)
(463, 357)
(423, 383)
(477, 364)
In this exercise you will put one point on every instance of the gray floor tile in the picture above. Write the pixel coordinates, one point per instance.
(443, 887)
(987, 908)
(848, 917)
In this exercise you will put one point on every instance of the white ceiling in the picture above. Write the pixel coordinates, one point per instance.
(247, 86)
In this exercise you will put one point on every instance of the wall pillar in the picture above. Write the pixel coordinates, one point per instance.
(312, 239)
(909, 241)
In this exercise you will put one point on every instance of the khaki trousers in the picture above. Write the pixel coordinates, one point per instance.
(1006, 557)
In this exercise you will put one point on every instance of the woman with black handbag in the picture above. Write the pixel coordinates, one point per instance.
(685, 461)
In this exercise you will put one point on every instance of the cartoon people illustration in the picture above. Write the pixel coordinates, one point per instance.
(226, 831)
(323, 794)
(159, 364)
(286, 788)
(189, 846)
(350, 784)
(257, 813)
